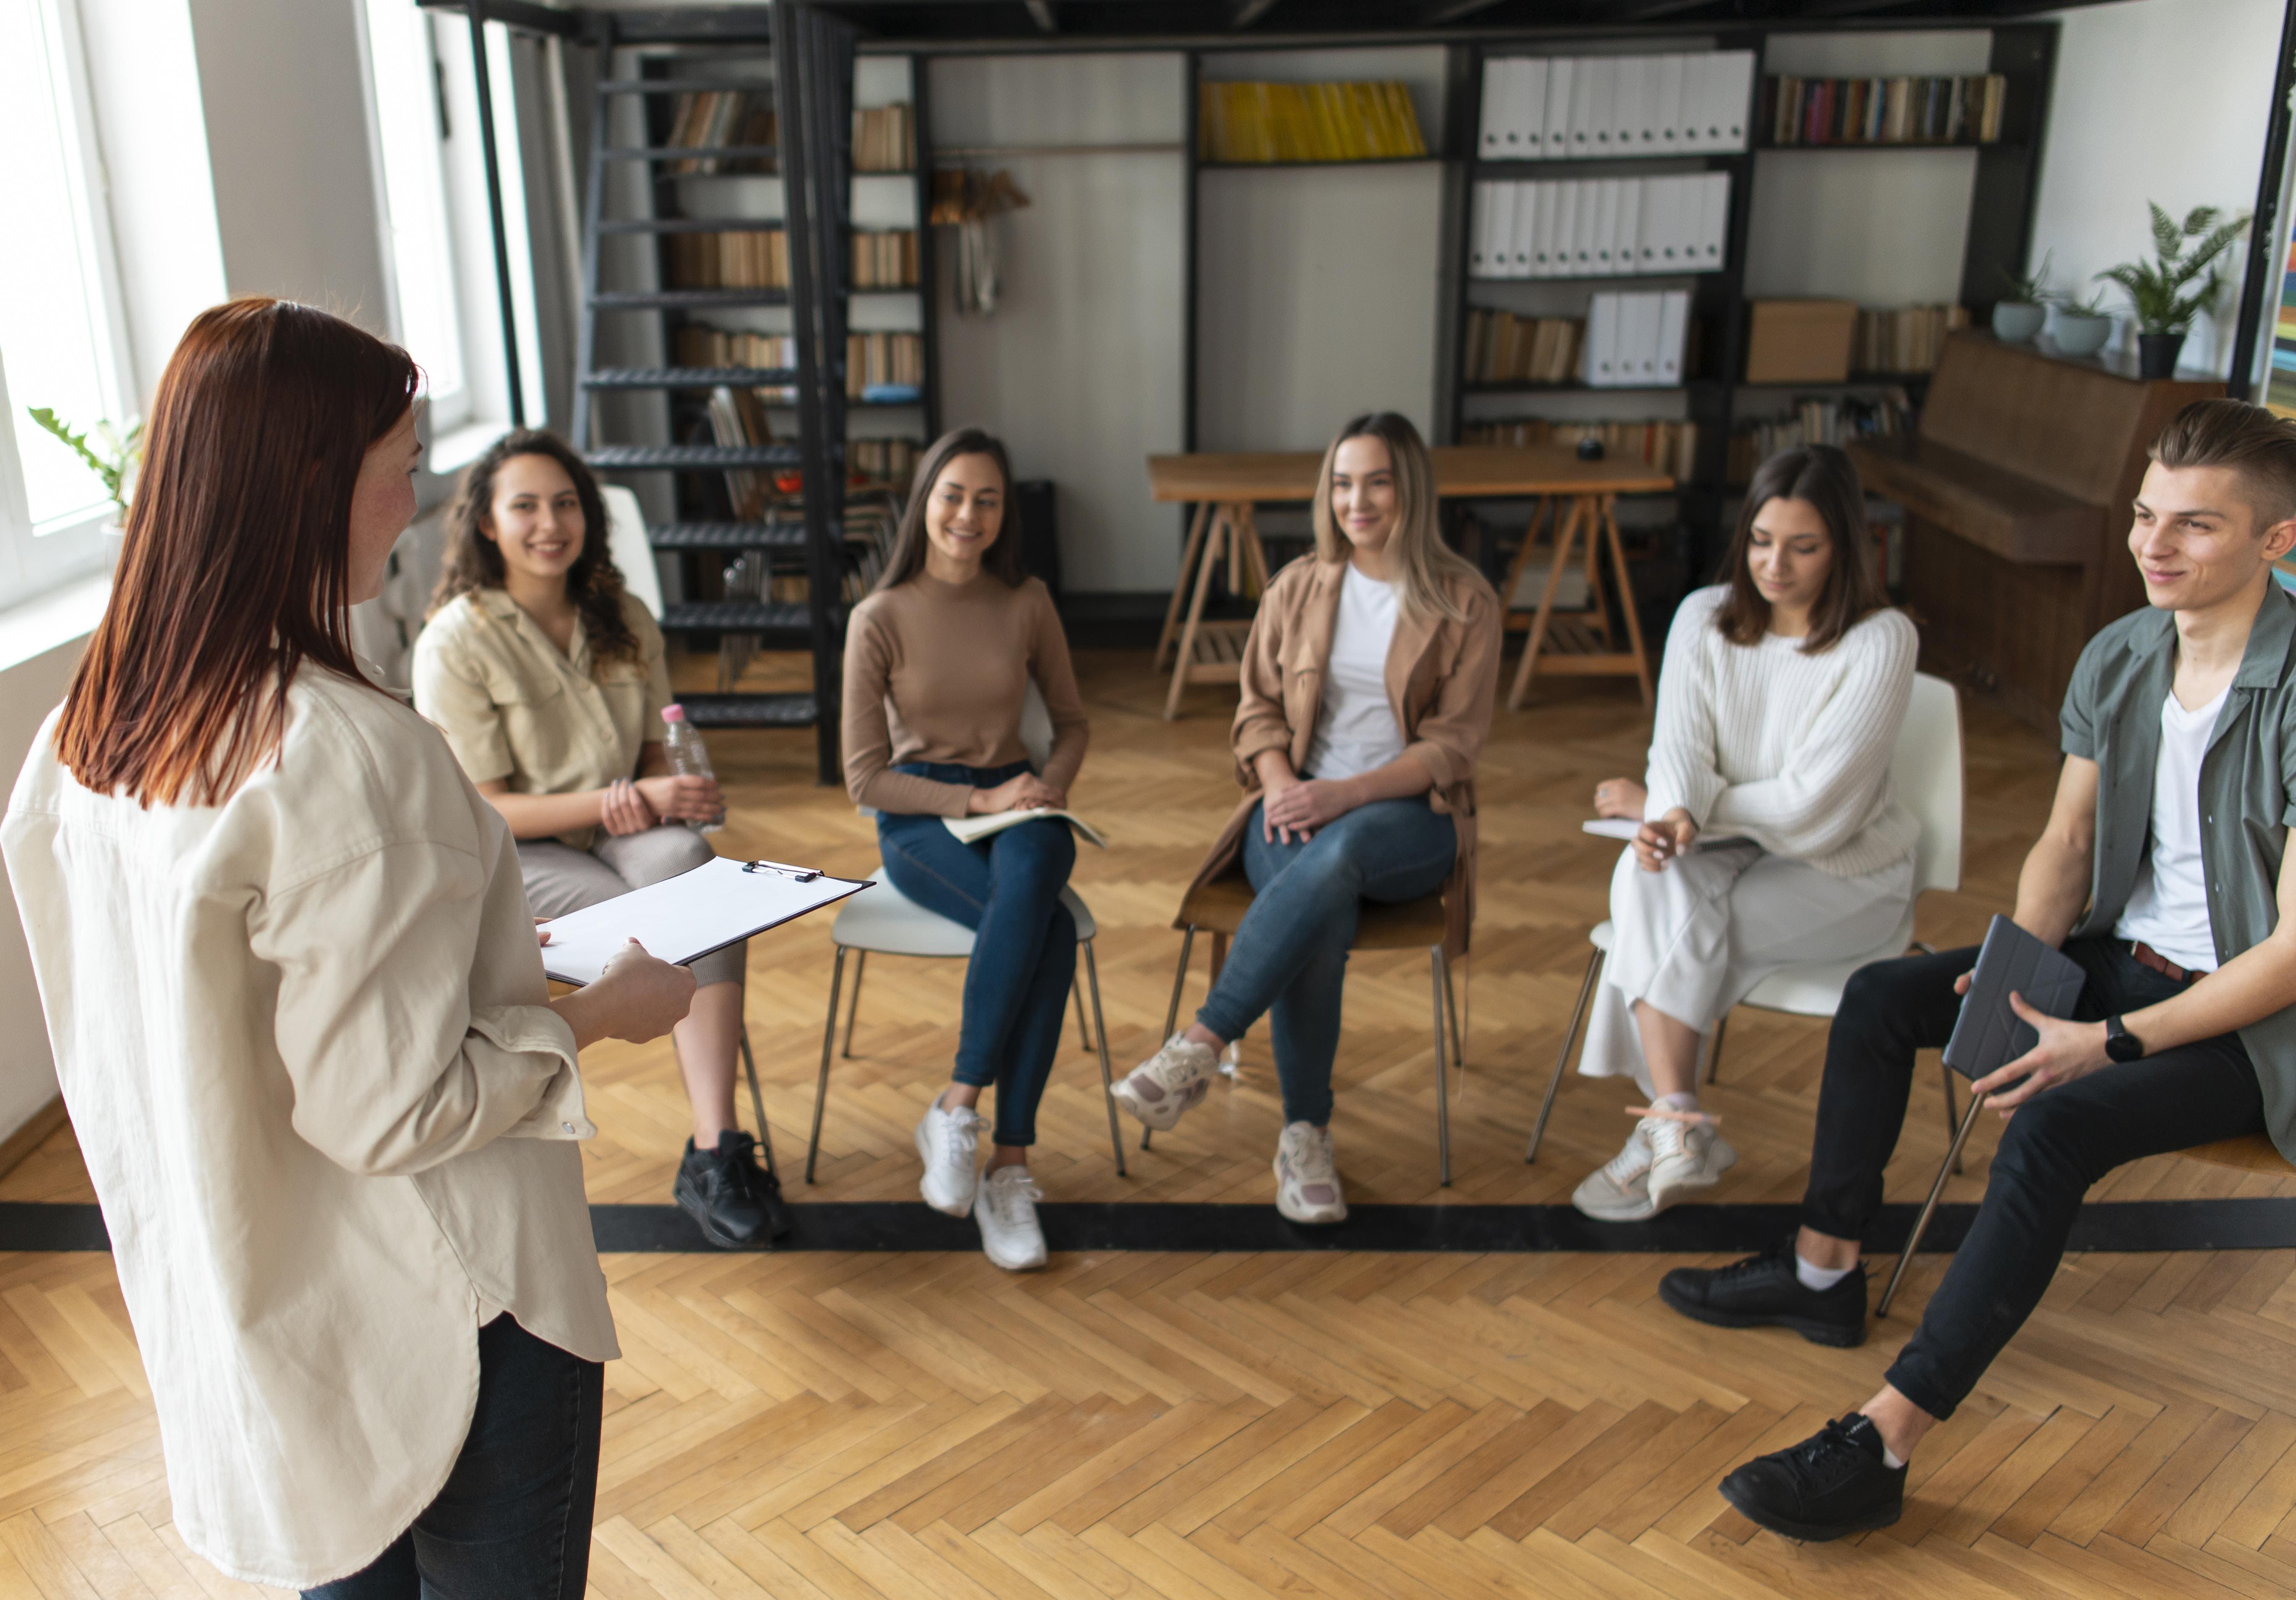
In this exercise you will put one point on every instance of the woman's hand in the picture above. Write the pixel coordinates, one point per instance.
(636, 997)
(1302, 806)
(1027, 793)
(1621, 797)
(1658, 842)
(2065, 1051)
(689, 798)
(622, 808)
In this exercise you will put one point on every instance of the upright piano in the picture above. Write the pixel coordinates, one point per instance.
(2017, 487)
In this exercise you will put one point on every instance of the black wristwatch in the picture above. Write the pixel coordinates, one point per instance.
(2119, 1044)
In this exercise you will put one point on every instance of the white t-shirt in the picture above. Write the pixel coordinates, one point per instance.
(1356, 728)
(2168, 908)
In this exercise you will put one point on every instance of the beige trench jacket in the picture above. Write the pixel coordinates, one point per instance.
(1442, 679)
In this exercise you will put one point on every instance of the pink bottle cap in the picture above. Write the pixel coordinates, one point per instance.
(673, 713)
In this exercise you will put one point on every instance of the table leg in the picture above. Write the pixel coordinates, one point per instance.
(1180, 585)
(1565, 536)
(1255, 553)
(1216, 538)
(1541, 511)
(1609, 516)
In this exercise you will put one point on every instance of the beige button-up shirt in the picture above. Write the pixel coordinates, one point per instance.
(513, 706)
(304, 1041)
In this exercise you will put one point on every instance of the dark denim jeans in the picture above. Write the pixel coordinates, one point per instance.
(514, 1521)
(2058, 1143)
(1289, 959)
(1006, 889)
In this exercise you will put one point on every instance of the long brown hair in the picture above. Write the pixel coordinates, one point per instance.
(474, 562)
(1421, 559)
(1002, 558)
(1826, 477)
(235, 568)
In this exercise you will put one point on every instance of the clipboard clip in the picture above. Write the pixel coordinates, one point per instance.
(803, 874)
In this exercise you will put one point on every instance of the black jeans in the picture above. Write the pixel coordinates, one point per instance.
(514, 1521)
(2058, 1143)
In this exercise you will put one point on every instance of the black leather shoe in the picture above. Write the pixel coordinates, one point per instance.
(1833, 1484)
(736, 1203)
(1763, 1292)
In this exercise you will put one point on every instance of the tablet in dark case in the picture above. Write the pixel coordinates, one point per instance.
(1987, 1035)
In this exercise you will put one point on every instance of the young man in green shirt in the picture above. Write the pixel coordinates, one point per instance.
(2161, 874)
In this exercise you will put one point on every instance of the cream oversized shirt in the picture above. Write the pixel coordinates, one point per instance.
(305, 1043)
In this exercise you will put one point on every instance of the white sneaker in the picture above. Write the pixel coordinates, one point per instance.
(1619, 1191)
(948, 1141)
(1307, 1182)
(1685, 1158)
(1167, 1083)
(1006, 1210)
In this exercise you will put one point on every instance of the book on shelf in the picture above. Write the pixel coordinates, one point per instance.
(1503, 348)
(699, 345)
(890, 462)
(1671, 447)
(1904, 339)
(884, 138)
(1598, 227)
(714, 118)
(1251, 122)
(880, 360)
(1582, 108)
(750, 259)
(1883, 111)
(737, 417)
(885, 260)
(1818, 420)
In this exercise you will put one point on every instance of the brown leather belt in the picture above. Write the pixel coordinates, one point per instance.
(2146, 955)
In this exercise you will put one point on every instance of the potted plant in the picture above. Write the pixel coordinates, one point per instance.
(2083, 325)
(117, 450)
(2019, 318)
(2180, 283)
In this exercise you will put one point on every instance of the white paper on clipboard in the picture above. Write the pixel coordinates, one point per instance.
(682, 919)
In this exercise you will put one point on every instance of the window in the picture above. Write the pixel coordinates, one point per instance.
(60, 343)
(410, 129)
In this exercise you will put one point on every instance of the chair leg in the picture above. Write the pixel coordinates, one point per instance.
(1084, 1028)
(852, 1006)
(1562, 1061)
(1952, 1117)
(1714, 1051)
(1451, 1008)
(758, 1105)
(828, 1044)
(1922, 1222)
(1172, 1012)
(1439, 984)
(1107, 1078)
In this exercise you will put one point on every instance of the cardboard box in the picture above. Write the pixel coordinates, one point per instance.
(1801, 342)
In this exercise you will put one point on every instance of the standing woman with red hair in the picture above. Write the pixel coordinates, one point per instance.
(299, 1018)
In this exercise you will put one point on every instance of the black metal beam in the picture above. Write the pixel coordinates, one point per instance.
(2264, 229)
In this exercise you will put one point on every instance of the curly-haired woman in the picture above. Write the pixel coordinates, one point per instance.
(547, 679)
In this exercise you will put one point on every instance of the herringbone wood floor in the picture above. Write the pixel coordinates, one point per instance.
(1210, 1427)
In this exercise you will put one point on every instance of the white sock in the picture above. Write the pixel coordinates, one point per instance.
(1687, 1101)
(1891, 1459)
(1819, 1278)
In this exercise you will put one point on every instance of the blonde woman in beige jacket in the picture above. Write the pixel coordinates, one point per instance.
(1368, 687)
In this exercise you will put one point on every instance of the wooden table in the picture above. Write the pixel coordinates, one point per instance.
(1581, 498)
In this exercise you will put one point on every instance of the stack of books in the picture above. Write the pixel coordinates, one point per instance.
(1599, 228)
(750, 259)
(737, 416)
(1577, 108)
(714, 118)
(891, 461)
(887, 368)
(1884, 110)
(1910, 339)
(1255, 122)
(884, 139)
(1833, 420)
(1670, 447)
(887, 260)
(700, 346)
(1503, 348)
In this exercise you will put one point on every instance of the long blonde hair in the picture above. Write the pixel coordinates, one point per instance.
(1422, 560)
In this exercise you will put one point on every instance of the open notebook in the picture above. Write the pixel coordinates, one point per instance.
(684, 918)
(973, 828)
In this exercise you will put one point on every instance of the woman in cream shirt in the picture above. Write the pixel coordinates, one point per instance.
(299, 1019)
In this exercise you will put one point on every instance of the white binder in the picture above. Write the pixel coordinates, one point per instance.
(1629, 122)
(1602, 340)
(1547, 206)
(1492, 144)
(1665, 102)
(1591, 106)
(1673, 334)
(1524, 242)
(1478, 231)
(1732, 88)
(1560, 94)
(1662, 245)
(1587, 218)
(1502, 234)
(1638, 320)
(1563, 230)
(1626, 248)
(1690, 118)
(1606, 227)
(1714, 220)
(1527, 116)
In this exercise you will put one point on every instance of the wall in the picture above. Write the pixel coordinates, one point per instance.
(1079, 370)
(2162, 100)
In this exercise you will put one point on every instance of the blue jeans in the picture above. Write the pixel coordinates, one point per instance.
(1007, 889)
(1290, 956)
(514, 1521)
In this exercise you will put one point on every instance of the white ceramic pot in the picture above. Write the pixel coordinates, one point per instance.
(2016, 321)
(2080, 335)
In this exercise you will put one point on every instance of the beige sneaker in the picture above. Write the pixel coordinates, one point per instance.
(1619, 1191)
(1685, 1157)
(1167, 1083)
(1307, 1182)
(1006, 1209)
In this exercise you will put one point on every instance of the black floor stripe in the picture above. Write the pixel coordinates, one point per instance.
(2129, 1226)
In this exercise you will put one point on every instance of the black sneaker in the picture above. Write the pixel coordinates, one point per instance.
(1833, 1484)
(1763, 1292)
(736, 1203)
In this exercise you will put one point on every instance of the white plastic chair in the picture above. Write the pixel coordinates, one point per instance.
(1926, 770)
(882, 920)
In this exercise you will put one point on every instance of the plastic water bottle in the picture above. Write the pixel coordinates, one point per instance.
(689, 758)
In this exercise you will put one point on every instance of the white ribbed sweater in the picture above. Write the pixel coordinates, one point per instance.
(1791, 751)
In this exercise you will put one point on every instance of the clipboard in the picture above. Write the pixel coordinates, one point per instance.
(694, 914)
(1987, 1035)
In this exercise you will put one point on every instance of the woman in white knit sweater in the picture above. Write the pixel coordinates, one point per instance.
(1770, 834)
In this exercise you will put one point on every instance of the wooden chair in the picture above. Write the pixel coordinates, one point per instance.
(1218, 908)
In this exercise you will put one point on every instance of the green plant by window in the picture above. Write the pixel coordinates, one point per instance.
(113, 457)
(2032, 290)
(2183, 280)
(2091, 304)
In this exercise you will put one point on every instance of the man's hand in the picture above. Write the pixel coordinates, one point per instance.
(1656, 843)
(1300, 807)
(2066, 1051)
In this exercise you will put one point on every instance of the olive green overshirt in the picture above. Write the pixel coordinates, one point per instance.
(2247, 798)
